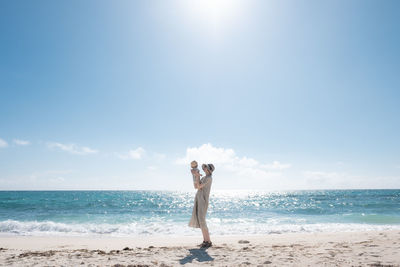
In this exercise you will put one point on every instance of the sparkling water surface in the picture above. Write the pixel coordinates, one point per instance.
(129, 213)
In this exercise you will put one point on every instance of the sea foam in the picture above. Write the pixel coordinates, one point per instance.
(216, 227)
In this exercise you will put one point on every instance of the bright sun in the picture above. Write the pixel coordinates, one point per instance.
(214, 14)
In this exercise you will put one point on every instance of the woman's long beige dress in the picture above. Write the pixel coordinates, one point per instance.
(198, 219)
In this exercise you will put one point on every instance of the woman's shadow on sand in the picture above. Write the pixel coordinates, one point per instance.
(196, 253)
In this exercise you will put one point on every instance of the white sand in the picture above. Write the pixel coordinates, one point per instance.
(317, 249)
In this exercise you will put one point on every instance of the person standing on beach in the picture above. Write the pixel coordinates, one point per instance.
(201, 200)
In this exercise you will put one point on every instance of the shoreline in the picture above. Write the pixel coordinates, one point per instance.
(363, 248)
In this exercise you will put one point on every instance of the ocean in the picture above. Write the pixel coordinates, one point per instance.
(140, 213)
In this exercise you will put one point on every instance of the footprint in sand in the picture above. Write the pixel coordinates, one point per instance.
(243, 242)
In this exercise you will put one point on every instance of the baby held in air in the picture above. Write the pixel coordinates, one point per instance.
(196, 173)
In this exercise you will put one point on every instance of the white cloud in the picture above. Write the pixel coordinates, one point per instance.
(152, 168)
(159, 156)
(72, 148)
(207, 153)
(227, 161)
(3, 143)
(21, 142)
(137, 153)
(276, 165)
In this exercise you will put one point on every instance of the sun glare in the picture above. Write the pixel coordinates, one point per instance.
(215, 15)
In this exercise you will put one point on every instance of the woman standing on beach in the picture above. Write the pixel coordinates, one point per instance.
(198, 219)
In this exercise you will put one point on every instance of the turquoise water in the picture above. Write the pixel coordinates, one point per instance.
(126, 213)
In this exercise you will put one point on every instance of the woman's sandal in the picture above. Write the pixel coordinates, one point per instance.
(206, 244)
(202, 244)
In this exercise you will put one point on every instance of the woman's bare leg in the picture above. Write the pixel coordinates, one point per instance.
(206, 234)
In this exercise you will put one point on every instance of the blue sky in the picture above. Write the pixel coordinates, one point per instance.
(121, 94)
